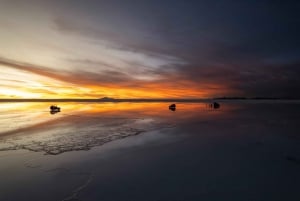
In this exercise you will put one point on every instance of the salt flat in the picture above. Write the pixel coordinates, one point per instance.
(144, 151)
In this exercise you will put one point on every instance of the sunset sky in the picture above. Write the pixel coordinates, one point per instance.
(149, 48)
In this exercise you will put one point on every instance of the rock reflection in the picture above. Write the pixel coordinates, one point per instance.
(54, 111)
(172, 107)
(214, 105)
(84, 126)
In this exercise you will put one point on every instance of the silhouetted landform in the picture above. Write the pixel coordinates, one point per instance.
(172, 107)
(54, 109)
(105, 99)
(214, 105)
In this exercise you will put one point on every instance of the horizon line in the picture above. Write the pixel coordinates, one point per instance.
(105, 99)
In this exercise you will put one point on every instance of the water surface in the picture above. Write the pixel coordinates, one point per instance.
(144, 151)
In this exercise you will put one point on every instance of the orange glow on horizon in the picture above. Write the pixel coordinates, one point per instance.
(30, 116)
(33, 82)
(146, 91)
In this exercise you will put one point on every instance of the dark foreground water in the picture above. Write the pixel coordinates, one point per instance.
(146, 152)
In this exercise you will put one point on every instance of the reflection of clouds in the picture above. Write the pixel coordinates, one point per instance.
(81, 126)
(22, 117)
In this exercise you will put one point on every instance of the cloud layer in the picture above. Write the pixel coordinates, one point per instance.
(131, 48)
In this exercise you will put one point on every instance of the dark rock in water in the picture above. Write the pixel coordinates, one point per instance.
(172, 107)
(214, 105)
(54, 109)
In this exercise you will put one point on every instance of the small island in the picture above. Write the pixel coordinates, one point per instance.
(107, 99)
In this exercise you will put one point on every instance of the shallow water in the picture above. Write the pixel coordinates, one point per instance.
(81, 126)
(144, 151)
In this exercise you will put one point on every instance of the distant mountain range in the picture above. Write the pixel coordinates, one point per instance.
(107, 99)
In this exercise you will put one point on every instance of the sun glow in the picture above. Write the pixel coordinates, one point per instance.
(67, 90)
(98, 92)
(13, 93)
(29, 83)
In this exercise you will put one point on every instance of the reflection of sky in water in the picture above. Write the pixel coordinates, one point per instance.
(22, 115)
(81, 126)
(227, 153)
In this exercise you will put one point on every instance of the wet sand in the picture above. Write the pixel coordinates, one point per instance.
(128, 152)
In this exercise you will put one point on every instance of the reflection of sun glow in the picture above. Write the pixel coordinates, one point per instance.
(18, 116)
